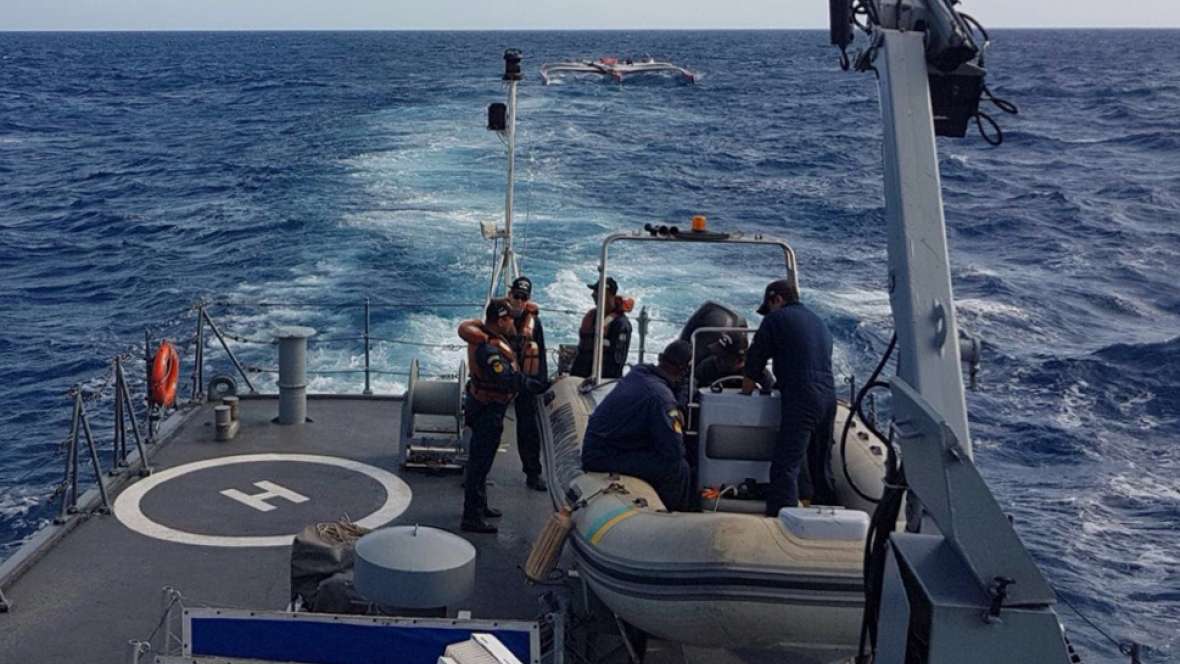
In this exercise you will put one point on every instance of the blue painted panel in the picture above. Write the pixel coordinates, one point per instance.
(335, 643)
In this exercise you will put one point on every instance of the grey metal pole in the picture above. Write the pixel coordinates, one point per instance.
(293, 373)
(118, 449)
(368, 386)
(102, 489)
(199, 354)
(233, 358)
(70, 482)
(644, 321)
(144, 469)
(510, 269)
(147, 381)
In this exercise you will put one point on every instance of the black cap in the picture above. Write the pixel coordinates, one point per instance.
(781, 287)
(522, 285)
(678, 353)
(497, 309)
(612, 286)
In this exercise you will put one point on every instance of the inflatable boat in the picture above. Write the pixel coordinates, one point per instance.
(727, 576)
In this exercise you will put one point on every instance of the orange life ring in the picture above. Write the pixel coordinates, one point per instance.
(165, 374)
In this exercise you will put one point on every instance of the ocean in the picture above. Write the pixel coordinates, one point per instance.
(286, 177)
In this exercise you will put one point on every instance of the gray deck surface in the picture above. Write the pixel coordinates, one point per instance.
(101, 585)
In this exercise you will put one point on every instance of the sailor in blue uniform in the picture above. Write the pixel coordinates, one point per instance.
(638, 429)
(495, 380)
(801, 346)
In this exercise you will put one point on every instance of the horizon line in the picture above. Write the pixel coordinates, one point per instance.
(549, 29)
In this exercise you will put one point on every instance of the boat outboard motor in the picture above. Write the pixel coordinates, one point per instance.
(710, 314)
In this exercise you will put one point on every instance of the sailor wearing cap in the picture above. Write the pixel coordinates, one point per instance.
(801, 346)
(530, 348)
(495, 381)
(638, 429)
(616, 342)
(726, 358)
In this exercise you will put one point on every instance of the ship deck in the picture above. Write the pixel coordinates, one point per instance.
(84, 593)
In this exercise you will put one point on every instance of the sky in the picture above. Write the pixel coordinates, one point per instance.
(532, 14)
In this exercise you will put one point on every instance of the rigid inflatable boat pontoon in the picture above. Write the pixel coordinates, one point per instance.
(726, 577)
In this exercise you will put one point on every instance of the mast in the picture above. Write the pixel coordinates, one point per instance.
(502, 119)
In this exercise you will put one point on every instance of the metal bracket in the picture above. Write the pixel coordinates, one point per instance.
(938, 316)
(943, 477)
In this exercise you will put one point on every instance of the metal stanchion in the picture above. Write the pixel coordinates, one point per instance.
(70, 481)
(199, 356)
(644, 321)
(123, 409)
(147, 394)
(368, 387)
(80, 423)
(119, 446)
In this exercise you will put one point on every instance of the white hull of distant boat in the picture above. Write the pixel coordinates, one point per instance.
(614, 68)
(712, 579)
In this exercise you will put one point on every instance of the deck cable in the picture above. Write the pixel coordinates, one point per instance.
(1127, 648)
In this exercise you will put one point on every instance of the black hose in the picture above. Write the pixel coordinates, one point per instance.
(856, 410)
(883, 522)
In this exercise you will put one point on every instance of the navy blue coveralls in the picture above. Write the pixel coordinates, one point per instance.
(528, 434)
(638, 430)
(494, 382)
(801, 347)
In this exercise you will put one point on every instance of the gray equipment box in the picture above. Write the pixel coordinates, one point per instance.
(737, 436)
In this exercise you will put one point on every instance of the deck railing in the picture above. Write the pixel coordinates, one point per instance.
(136, 413)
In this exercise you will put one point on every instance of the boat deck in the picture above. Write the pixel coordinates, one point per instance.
(101, 583)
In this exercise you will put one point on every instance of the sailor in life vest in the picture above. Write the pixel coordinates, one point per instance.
(495, 380)
(530, 350)
(616, 341)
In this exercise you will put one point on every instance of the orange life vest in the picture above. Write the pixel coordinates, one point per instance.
(530, 350)
(481, 386)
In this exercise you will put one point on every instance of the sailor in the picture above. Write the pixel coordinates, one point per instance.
(495, 380)
(801, 346)
(616, 341)
(530, 349)
(638, 429)
(727, 357)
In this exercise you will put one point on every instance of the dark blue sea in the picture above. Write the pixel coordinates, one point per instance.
(141, 172)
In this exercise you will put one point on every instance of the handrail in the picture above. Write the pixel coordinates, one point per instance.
(692, 237)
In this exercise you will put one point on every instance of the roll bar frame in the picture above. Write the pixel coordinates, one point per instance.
(685, 237)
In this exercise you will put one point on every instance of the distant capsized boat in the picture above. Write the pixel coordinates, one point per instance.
(614, 68)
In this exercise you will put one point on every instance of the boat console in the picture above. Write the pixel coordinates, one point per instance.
(736, 440)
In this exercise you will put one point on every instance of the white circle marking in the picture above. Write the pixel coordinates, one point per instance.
(127, 505)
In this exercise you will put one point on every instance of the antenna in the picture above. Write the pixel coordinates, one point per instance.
(502, 119)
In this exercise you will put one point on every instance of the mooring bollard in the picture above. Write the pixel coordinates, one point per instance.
(232, 402)
(224, 423)
(293, 373)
